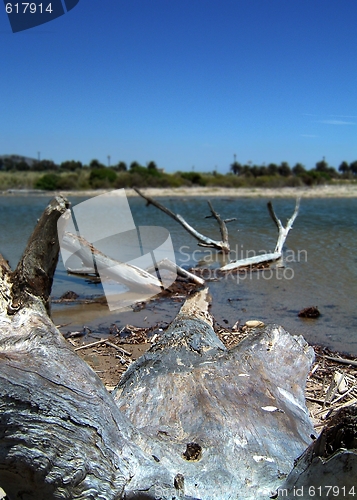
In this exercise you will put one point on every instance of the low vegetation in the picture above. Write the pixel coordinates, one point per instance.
(15, 173)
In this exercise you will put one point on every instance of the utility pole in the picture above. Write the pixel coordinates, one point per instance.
(108, 160)
(39, 155)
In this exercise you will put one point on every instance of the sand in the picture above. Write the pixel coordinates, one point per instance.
(328, 191)
(348, 190)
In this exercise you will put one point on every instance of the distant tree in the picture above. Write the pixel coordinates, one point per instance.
(40, 166)
(353, 167)
(284, 169)
(8, 164)
(344, 168)
(322, 166)
(299, 169)
(71, 165)
(22, 166)
(121, 167)
(236, 168)
(152, 165)
(96, 164)
(332, 172)
(246, 171)
(263, 170)
(134, 165)
(256, 170)
(273, 169)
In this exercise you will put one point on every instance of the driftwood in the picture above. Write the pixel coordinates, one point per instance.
(180, 271)
(204, 241)
(189, 419)
(132, 276)
(224, 245)
(129, 275)
(268, 257)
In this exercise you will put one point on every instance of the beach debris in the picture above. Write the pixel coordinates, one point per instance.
(309, 312)
(270, 408)
(331, 385)
(253, 323)
(79, 333)
(70, 295)
(339, 379)
(138, 306)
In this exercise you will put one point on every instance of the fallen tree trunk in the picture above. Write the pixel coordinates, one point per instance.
(61, 434)
(231, 422)
(189, 419)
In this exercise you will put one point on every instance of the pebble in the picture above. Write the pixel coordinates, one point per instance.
(253, 323)
(342, 388)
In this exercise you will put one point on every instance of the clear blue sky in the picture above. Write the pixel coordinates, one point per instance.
(184, 83)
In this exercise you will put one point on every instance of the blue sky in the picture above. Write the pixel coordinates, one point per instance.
(186, 83)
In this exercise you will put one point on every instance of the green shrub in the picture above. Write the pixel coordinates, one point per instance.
(193, 177)
(102, 177)
(68, 181)
(314, 177)
(48, 182)
(227, 181)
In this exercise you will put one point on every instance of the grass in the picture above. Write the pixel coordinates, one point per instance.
(105, 178)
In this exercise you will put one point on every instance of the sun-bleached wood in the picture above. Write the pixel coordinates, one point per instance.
(203, 240)
(189, 419)
(127, 274)
(268, 257)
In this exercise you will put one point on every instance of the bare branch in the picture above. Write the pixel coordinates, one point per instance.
(222, 226)
(205, 241)
(268, 257)
(171, 266)
(273, 215)
(283, 231)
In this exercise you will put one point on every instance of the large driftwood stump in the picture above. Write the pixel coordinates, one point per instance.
(190, 419)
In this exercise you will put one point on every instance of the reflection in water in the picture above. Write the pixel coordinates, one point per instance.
(320, 260)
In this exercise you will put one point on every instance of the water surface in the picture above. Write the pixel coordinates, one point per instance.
(320, 261)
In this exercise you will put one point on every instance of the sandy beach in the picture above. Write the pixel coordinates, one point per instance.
(328, 191)
(325, 191)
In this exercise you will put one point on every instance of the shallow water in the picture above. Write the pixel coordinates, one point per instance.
(320, 262)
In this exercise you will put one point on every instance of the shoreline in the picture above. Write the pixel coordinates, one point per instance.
(325, 191)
